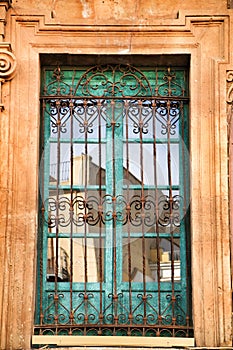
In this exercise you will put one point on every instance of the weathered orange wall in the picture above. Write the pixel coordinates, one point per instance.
(202, 29)
(116, 11)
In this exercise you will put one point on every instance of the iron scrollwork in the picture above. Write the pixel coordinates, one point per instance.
(86, 317)
(115, 81)
(92, 210)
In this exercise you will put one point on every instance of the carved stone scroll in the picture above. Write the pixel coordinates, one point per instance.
(229, 86)
(7, 67)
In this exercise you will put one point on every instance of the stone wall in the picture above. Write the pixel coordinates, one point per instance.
(201, 29)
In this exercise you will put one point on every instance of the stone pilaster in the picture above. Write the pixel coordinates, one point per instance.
(229, 79)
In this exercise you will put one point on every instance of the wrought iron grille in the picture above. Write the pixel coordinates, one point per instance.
(114, 256)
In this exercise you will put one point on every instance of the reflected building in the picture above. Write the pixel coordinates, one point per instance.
(86, 251)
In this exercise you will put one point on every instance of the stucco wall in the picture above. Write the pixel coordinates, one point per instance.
(95, 12)
(202, 29)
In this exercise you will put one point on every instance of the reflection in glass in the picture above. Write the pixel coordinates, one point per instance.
(146, 153)
(139, 157)
(87, 259)
(157, 258)
(63, 168)
(59, 257)
(85, 167)
(87, 255)
(162, 164)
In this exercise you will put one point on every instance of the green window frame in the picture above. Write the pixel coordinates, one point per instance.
(114, 240)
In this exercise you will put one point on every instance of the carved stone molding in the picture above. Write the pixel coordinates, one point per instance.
(7, 67)
(230, 86)
(4, 7)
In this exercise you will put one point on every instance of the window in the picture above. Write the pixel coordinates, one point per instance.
(114, 255)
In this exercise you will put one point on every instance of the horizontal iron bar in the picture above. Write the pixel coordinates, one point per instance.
(118, 326)
(78, 141)
(119, 98)
(131, 187)
(103, 141)
(124, 235)
(137, 287)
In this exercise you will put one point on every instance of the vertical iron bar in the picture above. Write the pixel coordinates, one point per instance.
(86, 170)
(41, 237)
(142, 214)
(170, 212)
(42, 218)
(128, 208)
(183, 140)
(58, 105)
(115, 297)
(100, 216)
(85, 204)
(156, 209)
(71, 210)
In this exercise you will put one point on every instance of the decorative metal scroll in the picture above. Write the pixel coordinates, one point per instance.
(122, 81)
(116, 318)
(140, 113)
(92, 210)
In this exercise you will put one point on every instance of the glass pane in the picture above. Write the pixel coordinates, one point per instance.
(88, 258)
(132, 156)
(59, 256)
(89, 163)
(63, 168)
(162, 164)
(167, 251)
(134, 170)
(82, 164)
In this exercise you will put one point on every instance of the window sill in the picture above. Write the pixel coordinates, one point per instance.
(111, 341)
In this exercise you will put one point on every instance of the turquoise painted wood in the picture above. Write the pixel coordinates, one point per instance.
(114, 245)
